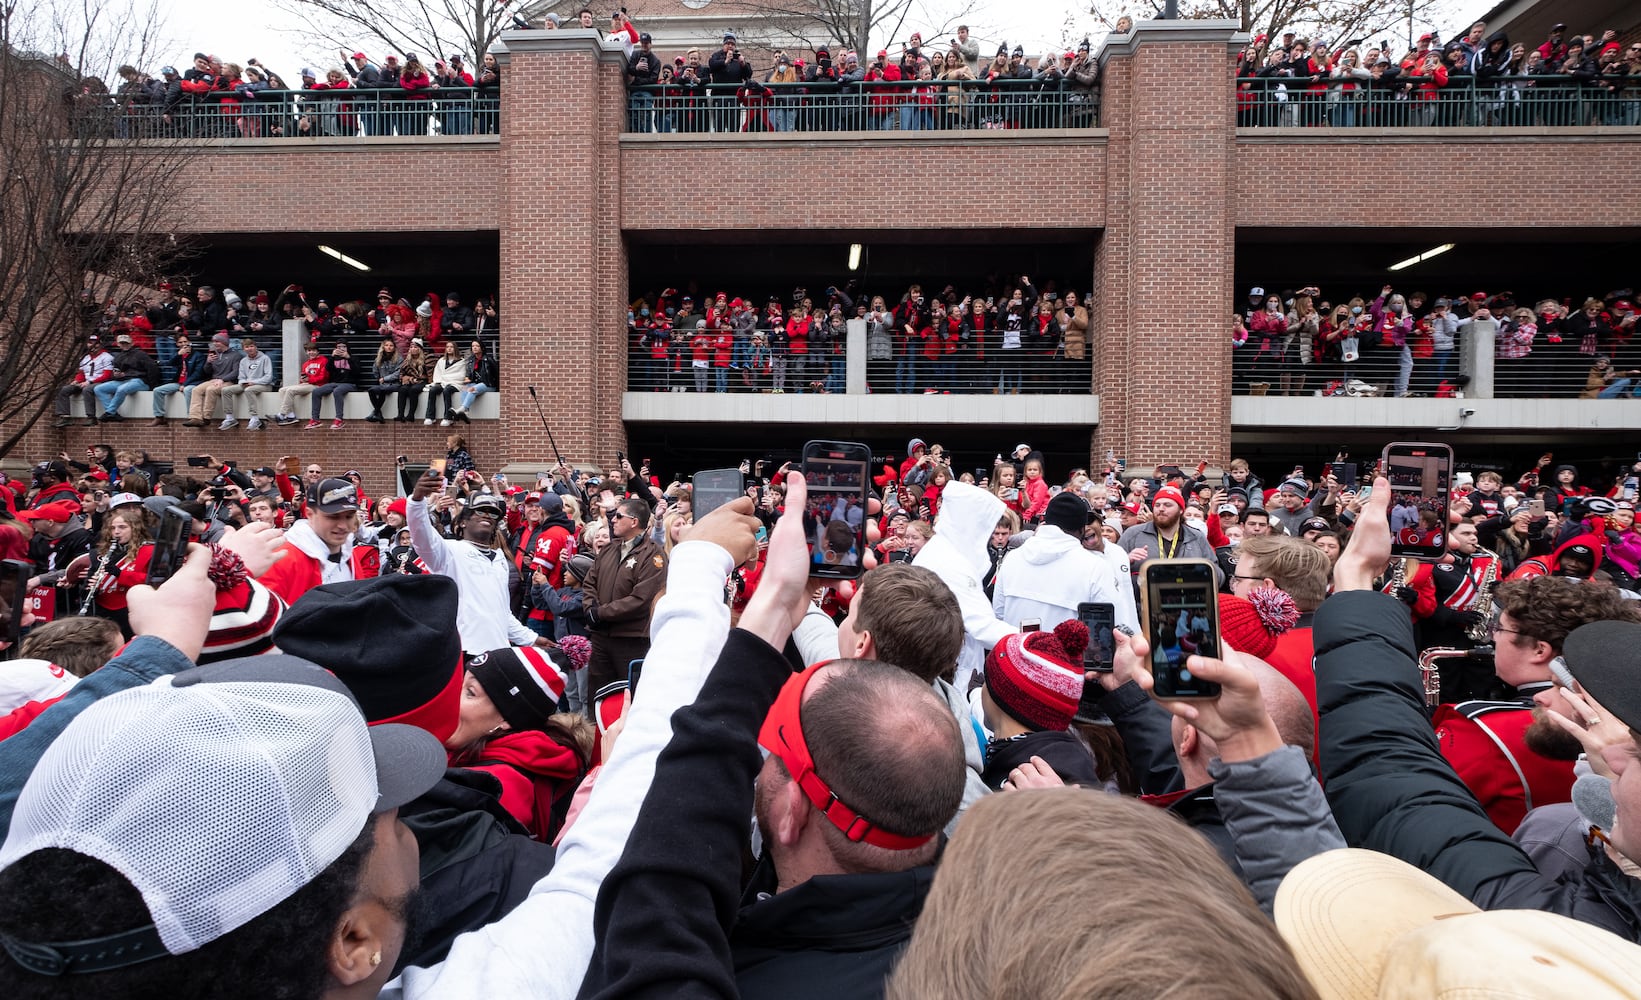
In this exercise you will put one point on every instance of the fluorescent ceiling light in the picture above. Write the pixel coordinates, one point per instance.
(1420, 258)
(357, 265)
(854, 256)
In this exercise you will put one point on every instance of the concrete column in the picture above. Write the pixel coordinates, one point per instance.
(1477, 344)
(856, 354)
(1162, 271)
(293, 343)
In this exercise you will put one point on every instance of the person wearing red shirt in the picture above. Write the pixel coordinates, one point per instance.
(700, 349)
(797, 344)
(315, 373)
(124, 564)
(723, 344)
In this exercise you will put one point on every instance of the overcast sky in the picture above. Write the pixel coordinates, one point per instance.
(244, 28)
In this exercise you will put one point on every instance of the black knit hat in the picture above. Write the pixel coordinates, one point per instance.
(391, 639)
(523, 682)
(1068, 512)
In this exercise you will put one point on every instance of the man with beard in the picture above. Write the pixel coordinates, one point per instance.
(619, 591)
(472, 561)
(1166, 535)
(1508, 753)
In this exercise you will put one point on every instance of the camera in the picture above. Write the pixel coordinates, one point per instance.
(1466, 412)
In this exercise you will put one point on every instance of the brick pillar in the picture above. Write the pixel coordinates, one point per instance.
(563, 264)
(1162, 271)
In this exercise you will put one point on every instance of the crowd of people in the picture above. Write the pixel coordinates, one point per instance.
(1300, 342)
(1478, 79)
(418, 702)
(217, 98)
(923, 87)
(1002, 335)
(228, 347)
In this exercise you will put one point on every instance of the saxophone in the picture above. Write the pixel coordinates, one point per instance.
(1477, 633)
(110, 558)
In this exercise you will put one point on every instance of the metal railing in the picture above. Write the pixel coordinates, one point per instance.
(362, 349)
(1405, 101)
(270, 114)
(905, 105)
(718, 361)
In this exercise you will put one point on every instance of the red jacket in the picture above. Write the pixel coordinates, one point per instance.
(132, 570)
(418, 87)
(534, 772)
(1484, 741)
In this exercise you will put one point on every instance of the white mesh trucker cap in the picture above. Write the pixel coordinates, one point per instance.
(217, 793)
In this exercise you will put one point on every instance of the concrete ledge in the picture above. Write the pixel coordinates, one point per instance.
(1492, 135)
(791, 408)
(576, 39)
(923, 139)
(1302, 413)
(317, 144)
(1157, 31)
(139, 406)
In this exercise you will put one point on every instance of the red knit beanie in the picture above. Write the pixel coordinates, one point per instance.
(1037, 677)
(1169, 493)
(1251, 626)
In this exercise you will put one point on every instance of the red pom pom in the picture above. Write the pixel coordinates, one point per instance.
(1073, 637)
(1276, 609)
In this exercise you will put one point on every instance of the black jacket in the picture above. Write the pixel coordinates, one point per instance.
(663, 912)
(134, 362)
(643, 69)
(1062, 751)
(1392, 791)
(832, 936)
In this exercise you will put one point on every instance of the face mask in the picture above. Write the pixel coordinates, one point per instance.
(1356, 310)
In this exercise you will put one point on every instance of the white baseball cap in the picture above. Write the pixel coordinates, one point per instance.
(23, 681)
(217, 793)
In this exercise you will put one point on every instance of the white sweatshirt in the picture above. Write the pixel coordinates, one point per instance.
(542, 948)
(483, 608)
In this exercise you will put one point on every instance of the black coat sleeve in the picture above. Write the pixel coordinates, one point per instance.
(664, 911)
(1145, 728)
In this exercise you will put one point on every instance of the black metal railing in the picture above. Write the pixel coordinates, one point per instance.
(362, 348)
(905, 105)
(272, 114)
(719, 361)
(1405, 101)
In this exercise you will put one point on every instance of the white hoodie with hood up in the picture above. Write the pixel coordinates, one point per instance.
(957, 554)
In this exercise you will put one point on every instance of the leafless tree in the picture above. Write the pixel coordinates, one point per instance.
(432, 29)
(84, 205)
(1328, 21)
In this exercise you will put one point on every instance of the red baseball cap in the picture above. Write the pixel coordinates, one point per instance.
(61, 512)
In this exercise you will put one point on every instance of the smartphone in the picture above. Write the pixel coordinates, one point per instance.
(293, 466)
(1031, 625)
(199, 461)
(1420, 475)
(170, 546)
(437, 465)
(838, 476)
(634, 669)
(713, 488)
(1346, 473)
(14, 599)
(1181, 616)
(1101, 620)
(1535, 507)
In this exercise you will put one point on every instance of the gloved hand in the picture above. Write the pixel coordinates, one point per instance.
(1407, 595)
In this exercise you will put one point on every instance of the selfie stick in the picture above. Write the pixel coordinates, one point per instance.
(544, 426)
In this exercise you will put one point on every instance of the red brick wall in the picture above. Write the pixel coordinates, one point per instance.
(940, 181)
(1164, 384)
(1440, 180)
(301, 185)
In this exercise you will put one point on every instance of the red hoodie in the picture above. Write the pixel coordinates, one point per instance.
(534, 771)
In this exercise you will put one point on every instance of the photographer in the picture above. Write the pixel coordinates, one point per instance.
(727, 72)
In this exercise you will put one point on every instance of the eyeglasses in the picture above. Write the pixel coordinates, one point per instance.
(1244, 576)
(1494, 628)
(314, 472)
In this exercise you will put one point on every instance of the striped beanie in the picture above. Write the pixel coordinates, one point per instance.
(1252, 625)
(524, 683)
(1037, 677)
(243, 622)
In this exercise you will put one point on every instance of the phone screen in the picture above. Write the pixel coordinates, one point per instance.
(1420, 474)
(834, 521)
(1181, 620)
(1101, 620)
(14, 598)
(170, 546)
(713, 488)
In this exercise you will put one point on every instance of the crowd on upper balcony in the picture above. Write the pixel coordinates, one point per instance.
(1296, 342)
(924, 87)
(1002, 335)
(227, 346)
(1479, 79)
(357, 95)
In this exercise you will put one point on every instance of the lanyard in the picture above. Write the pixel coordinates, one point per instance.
(1165, 552)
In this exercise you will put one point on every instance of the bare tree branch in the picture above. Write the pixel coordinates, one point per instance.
(432, 29)
(82, 207)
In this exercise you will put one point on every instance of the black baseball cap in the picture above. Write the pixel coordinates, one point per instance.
(333, 496)
(1605, 658)
(262, 470)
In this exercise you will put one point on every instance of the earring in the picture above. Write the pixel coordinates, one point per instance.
(499, 727)
(375, 959)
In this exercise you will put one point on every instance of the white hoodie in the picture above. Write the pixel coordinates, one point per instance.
(1048, 576)
(957, 554)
